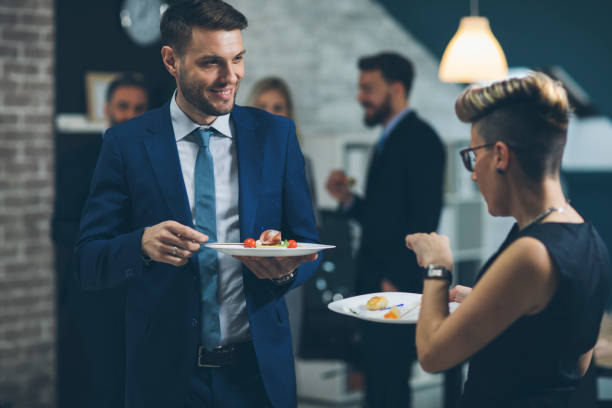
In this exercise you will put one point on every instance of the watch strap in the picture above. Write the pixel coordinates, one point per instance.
(438, 272)
(283, 280)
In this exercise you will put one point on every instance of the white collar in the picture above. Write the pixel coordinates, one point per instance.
(183, 125)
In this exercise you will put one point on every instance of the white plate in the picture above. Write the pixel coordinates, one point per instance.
(410, 307)
(238, 249)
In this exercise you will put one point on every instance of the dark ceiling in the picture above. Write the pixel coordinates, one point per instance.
(575, 35)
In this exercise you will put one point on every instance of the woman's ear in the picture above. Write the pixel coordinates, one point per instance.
(502, 156)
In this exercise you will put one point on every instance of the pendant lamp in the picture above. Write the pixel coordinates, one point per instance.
(473, 54)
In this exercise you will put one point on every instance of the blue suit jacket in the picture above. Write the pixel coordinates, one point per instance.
(138, 183)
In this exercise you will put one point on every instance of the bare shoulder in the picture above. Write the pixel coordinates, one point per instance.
(531, 253)
(528, 262)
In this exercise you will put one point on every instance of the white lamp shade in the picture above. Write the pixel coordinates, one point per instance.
(473, 54)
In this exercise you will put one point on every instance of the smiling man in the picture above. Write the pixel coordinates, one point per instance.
(202, 329)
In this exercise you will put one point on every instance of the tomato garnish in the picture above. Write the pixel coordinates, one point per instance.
(292, 244)
(250, 243)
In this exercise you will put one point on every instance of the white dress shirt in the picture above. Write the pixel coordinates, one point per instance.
(232, 304)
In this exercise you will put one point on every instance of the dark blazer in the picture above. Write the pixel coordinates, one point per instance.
(403, 195)
(138, 183)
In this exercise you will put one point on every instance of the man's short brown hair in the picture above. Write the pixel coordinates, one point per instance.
(180, 18)
(393, 67)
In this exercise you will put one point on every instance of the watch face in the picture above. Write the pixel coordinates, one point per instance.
(140, 20)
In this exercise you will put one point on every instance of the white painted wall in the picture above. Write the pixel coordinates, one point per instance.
(314, 45)
(589, 144)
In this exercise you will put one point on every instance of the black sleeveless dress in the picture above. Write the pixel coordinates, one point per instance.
(533, 363)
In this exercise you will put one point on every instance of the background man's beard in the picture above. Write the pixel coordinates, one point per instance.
(380, 114)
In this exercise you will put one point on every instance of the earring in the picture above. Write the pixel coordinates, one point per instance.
(499, 171)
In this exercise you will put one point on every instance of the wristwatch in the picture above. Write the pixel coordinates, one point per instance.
(438, 272)
(283, 280)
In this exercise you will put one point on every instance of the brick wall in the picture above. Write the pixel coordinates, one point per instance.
(26, 193)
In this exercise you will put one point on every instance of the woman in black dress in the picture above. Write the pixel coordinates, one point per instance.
(529, 324)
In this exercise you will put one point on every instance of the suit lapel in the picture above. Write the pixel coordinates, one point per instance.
(250, 152)
(161, 147)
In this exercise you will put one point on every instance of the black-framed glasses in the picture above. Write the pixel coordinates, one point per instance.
(468, 156)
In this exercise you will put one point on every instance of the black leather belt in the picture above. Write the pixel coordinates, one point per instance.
(225, 355)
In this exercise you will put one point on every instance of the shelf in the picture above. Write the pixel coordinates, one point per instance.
(77, 123)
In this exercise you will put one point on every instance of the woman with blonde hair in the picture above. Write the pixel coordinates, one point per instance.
(272, 95)
(530, 323)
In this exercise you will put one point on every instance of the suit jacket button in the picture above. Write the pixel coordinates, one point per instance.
(128, 273)
(194, 323)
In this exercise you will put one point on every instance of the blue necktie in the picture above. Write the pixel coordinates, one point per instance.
(206, 223)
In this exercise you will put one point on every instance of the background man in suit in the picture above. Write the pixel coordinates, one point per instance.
(403, 195)
(202, 329)
(90, 325)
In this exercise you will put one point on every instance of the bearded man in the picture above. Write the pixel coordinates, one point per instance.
(202, 329)
(403, 195)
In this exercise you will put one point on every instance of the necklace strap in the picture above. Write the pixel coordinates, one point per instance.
(543, 215)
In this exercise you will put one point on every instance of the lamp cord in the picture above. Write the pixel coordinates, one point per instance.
(474, 8)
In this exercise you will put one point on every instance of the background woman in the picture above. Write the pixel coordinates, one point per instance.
(530, 323)
(272, 95)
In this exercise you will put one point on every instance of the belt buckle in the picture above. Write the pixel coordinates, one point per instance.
(200, 359)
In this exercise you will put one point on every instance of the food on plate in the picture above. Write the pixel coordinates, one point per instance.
(394, 313)
(269, 239)
(377, 303)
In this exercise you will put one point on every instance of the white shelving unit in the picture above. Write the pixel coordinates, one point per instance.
(78, 123)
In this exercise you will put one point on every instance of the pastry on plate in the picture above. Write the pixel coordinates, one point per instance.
(377, 303)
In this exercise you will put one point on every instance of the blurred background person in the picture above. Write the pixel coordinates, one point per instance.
(272, 95)
(126, 98)
(532, 319)
(403, 194)
(90, 324)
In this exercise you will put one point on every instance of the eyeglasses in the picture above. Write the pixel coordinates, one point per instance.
(468, 156)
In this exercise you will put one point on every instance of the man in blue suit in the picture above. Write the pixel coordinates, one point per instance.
(202, 329)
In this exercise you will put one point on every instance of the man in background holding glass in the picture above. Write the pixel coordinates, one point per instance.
(403, 195)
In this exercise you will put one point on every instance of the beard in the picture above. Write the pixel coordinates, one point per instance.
(194, 93)
(380, 114)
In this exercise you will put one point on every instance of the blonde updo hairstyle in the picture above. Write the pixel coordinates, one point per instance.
(529, 114)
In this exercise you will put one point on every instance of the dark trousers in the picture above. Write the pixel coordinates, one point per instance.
(388, 354)
(236, 386)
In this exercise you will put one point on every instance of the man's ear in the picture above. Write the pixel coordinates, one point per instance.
(397, 88)
(398, 91)
(170, 59)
